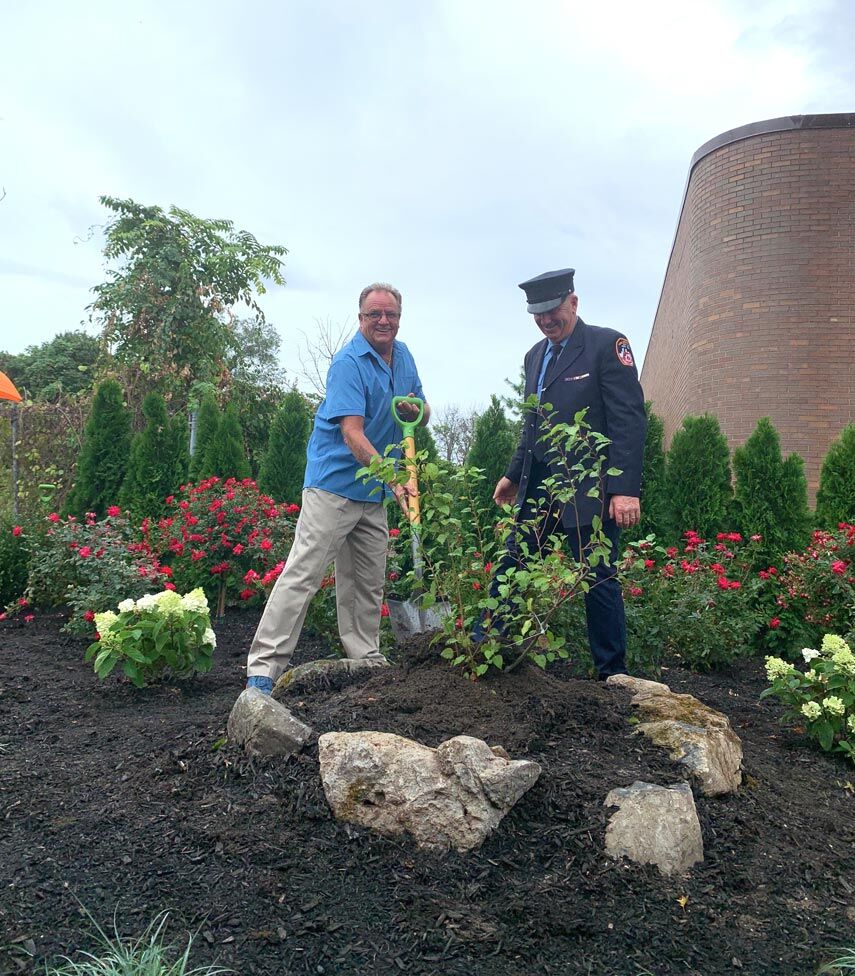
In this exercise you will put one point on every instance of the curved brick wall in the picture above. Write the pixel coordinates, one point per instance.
(757, 312)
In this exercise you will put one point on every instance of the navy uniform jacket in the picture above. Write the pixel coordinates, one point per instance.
(596, 370)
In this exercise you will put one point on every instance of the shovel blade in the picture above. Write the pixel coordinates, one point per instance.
(408, 618)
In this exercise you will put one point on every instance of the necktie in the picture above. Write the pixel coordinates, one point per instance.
(552, 366)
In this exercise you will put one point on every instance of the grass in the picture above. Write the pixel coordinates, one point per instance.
(149, 955)
(843, 964)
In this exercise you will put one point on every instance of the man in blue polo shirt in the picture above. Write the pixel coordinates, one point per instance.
(341, 521)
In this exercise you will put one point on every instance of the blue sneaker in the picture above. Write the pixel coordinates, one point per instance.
(262, 682)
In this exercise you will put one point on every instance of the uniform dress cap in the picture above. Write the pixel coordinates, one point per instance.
(547, 291)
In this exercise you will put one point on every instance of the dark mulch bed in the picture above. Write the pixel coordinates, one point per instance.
(122, 801)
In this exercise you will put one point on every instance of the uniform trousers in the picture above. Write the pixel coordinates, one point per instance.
(352, 534)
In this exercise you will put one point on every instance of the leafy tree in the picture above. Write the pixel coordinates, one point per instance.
(697, 475)
(166, 310)
(207, 424)
(426, 443)
(225, 455)
(835, 499)
(154, 470)
(284, 463)
(61, 365)
(654, 500)
(770, 494)
(103, 461)
(492, 446)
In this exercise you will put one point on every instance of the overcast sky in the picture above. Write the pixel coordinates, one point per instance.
(454, 148)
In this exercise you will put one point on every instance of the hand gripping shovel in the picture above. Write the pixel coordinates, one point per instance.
(407, 616)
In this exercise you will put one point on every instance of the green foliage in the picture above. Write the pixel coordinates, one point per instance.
(426, 443)
(225, 456)
(697, 603)
(88, 565)
(840, 965)
(162, 633)
(654, 501)
(146, 956)
(492, 447)
(459, 554)
(166, 309)
(821, 699)
(157, 465)
(103, 462)
(284, 463)
(14, 556)
(771, 494)
(697, 476)
(60, 365)
(835, 499)
(207, 425)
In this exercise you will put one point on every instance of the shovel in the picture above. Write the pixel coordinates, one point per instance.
(407, 616)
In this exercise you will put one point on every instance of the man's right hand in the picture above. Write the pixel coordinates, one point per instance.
(506, 492)
(402, 497)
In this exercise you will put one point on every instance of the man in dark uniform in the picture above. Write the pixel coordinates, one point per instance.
(579, 366)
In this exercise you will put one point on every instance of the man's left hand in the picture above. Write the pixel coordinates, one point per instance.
(625, 510)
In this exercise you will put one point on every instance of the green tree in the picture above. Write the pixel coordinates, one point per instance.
(207, 423)
(697, 476)
(103, 461)
(654, 499)
(492, 446)
(167, 309)
(61, 365)
(426, 443)
(770, 493)
(284, 463)
(154, 468)
(835, 499)
(225, 456)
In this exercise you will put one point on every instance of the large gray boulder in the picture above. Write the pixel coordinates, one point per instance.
(655, 825)
(264, 727)
(451, 796)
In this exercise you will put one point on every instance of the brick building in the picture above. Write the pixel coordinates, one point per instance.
(757, 311)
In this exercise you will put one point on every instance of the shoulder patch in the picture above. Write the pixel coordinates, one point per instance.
(624, 353)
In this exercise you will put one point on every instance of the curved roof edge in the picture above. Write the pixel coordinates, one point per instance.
(838, 120)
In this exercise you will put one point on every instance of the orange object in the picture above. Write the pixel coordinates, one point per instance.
(7, 389)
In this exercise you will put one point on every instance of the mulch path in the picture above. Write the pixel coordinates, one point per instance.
(127, 802)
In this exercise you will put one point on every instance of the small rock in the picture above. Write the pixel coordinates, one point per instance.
(265, 727)
(634, 684)
(307, 673)
(655, 825)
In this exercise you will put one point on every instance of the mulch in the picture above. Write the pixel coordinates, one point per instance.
(127, 802)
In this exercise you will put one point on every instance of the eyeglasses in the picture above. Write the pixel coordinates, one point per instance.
(376, 316)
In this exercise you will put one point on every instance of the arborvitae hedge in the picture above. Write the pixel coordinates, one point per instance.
(154, 470)
(225, 456)
(771, 493)
(835, 499)
(103, 461)
(697, 475)
(207, 423)
(284, 463)
(492, 447)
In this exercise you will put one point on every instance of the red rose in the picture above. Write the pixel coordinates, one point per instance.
(838, 567)
(247, 594)
(774, 623)
(384, 610)
(84, 552)
(16, 530)
(54, 517)
(114, 510)
(394, 533)
(89, 616)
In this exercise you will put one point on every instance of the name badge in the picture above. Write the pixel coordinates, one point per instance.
(581, 376)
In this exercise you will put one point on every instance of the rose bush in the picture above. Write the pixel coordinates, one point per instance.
(226, 536)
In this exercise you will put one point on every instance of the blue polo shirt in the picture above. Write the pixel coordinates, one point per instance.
(359, 384)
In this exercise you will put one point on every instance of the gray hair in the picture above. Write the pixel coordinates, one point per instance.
(380, 286)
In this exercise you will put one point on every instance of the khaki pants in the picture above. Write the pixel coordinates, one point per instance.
(353, 535)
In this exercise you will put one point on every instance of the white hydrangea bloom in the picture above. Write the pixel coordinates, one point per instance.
(777, 668)
(105, 620)
(811, 710)
(169, 603)
(195, 600)
(126, 606)
(812, 675)
(831, 643)
(808, 653)
(147, 602)
(844, 660)
(851, 723)
(834, 705)
(210, 638)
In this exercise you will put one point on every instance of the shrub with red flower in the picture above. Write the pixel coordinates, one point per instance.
(227, 537)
